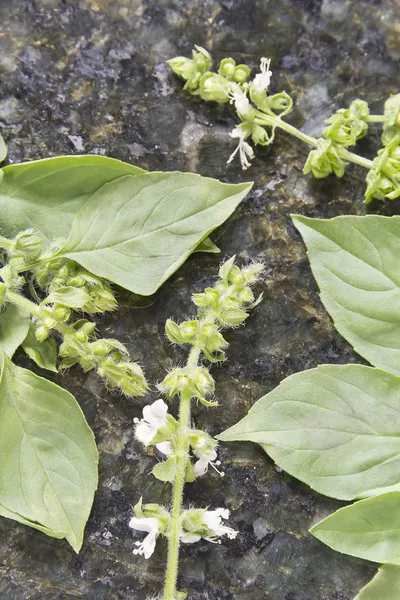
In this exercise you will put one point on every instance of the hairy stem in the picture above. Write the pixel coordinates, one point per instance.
(37, 311)
(311, 141)
(175, 527)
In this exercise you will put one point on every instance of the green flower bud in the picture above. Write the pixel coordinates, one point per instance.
(226, 267)
(227, 68)
(280, 103)
(188, 330)
(87, 363)
(173, 332)
(81, 336)
(197, 381)
(233, 317)
(28, 245)
(61, 313)
(184, 67)
(383, 180)
(347, 126)
(324, 160)
(215, 88)
(206, 298)
(241, 74)
(392, 111)
(260, 135)
(202, 59)
(41, 333)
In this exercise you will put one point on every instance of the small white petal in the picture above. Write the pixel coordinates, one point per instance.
(152, 526)
(165, 448)
(190, 538)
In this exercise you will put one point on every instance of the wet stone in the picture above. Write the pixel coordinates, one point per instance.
(90, 76)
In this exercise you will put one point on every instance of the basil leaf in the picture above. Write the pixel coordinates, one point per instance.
(44, 353)
(336, 428)
(14, 325)
(46, 194)
(355, 262)
(137, 231)
(72, 297)
(49, 459)
(207, 245)
(384, 586)
(368, 529)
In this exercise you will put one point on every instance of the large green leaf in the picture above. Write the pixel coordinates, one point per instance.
(337, 428)
(46, 194)
(368, 529)
(355, 261)
(14, 326)
(384, 586)
(137, 231)
(48, 472)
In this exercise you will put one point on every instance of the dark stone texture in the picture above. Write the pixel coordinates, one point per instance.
(89, 76)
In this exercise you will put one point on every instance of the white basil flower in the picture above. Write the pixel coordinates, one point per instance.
(152, 526)
(244, 149)
(165, 448)
(154, 418)
(241, 102)
(213, 520)
(206, 458)
(262, 80)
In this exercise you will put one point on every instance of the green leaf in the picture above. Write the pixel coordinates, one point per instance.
(14, 326)
(49, 459)
(137, 231)
(207, 245)
(46, 194)
(69, 296)
(3, 149)
(355, 262)
(337, 428)
(384, 586)
(43, 353)
(368, 529)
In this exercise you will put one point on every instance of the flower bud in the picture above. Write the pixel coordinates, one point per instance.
(184, 67)
(202, 59)
(28, 245)
(260, 135)
(41, 333)
(87, 363)
(206, 298)
(324, 160)
(214, 88)
(173, 332)
(233, 316)
(61, 313)
(188, 330)
(242, 73)
(227, 68)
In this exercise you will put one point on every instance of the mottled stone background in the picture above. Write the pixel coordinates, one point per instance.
(82, 76)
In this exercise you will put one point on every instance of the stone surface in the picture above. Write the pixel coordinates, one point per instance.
(89, 76)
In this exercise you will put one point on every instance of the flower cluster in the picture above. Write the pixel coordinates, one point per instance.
(196, 524)
(261, 113)
(185, 451)
(383, 180)
(69, 288)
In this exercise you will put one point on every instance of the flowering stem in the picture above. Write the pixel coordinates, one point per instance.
(311, 141)
(375, 119)
(182, 452)
(37, 312)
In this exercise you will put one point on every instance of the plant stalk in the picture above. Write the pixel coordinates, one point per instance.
(175, 527)
(311, 141)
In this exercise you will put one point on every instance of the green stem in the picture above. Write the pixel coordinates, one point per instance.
(182, 451)
(311, 141)
(376, 119)
(37, 311)
(5, 243)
